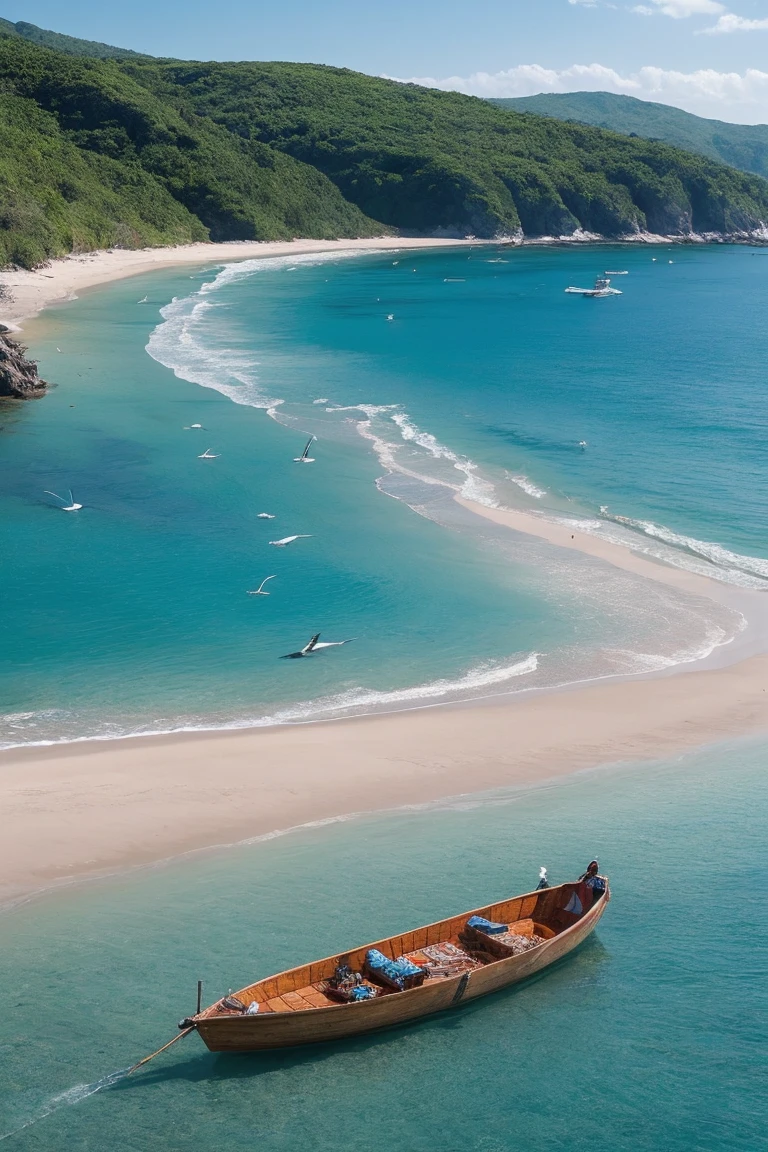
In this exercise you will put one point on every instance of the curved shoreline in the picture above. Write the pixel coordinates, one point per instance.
(96, 807)
(26, 293)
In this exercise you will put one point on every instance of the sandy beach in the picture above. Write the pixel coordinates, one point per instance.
(92, 808)
(84, 809)
(27, 293)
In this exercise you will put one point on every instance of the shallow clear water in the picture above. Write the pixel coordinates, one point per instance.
(132, 615)
(653, 1036)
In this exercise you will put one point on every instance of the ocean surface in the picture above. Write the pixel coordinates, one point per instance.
(641, 417)
(652, 1037)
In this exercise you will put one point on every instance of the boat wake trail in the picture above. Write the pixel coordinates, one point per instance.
(65, 1099)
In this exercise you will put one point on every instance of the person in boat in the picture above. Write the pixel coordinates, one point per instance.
(594, 880)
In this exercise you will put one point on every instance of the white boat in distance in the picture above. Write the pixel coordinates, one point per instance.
(602, 288)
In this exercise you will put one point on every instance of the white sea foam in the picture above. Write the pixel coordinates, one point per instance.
(183, 342)
(706, 549)
(474, 486)
(702, 557)
(715, 637)
(581, 525)
(179, 344)
(527, 485)
(483, 675)
(487, 674)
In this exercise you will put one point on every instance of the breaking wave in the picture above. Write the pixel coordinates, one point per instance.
(732, 563)
(484, 675)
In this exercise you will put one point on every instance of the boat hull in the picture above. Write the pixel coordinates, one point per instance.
(342, 1021)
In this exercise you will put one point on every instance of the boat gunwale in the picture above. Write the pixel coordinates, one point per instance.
(599, 904)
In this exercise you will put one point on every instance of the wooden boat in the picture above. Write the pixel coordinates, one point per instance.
(294, 1007)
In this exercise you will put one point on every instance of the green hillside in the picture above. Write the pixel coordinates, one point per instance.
(93, 159)
(743, 146)
(69, 44)
(429, 161)
(136, 151)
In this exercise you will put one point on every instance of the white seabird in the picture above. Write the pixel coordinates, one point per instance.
(208, 455)
(188, 426)
(315, 645)
(265, 516)
(391, 316)
(290, 539)
(71, 507)
(304, 458)
(143, 300)
(583, 445)
(260, 590)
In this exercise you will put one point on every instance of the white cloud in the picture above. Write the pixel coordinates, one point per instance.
(681, 9)
(741, 97)
(731, 23)
(677, 9)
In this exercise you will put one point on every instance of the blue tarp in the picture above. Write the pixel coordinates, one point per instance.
(487, 926)
(396, 971)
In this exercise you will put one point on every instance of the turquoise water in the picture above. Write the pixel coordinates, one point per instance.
(653, 1036)
(132, 615)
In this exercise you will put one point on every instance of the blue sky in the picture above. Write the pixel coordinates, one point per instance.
(708, 56)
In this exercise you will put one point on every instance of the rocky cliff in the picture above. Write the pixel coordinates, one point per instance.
(18, 375)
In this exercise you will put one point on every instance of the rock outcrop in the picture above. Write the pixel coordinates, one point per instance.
(18, 375)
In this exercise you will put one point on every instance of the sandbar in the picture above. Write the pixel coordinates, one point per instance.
(77, 810)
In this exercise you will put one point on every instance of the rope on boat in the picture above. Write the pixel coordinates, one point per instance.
(147, 1059)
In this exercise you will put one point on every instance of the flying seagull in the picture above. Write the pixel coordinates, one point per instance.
(259, 591)
(304, 458)
(314, 646)
(583, 445)
(208, 455)
(290, 539)
(265, 516)
(142, 301)
(391, 316)
(187, 427)
(71, 507)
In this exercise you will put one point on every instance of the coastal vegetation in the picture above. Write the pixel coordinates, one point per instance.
(131, 151)
(742, 146)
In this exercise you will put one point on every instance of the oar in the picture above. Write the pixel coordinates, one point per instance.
(147, 1059)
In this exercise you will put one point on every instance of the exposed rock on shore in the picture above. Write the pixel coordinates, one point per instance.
(18, 375)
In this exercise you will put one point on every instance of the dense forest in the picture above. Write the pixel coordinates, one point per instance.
(102, 148)
(743, 146)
